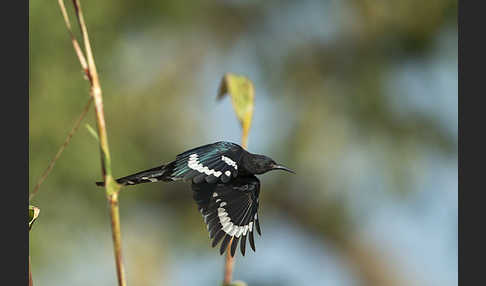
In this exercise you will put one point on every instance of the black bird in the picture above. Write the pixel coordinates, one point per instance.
(224, 187)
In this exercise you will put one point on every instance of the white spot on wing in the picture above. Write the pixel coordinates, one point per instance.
(233, 231)
(194, 164)
(229, 162)
(229, 227)
(240, 231)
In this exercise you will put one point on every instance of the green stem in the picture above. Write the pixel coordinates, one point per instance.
(112, 188)
(229, 260)
(116, 233)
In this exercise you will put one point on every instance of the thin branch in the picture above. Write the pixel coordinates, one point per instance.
(61, 149)
(84, 65)
(111, 186)
(244, 140)
(229, 260)
(116, 236)
(229, 263)
(96, 93)
(31, 283)
(77, 49)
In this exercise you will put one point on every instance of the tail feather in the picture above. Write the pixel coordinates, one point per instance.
(160, 173)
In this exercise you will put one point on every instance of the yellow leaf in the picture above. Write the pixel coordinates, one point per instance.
(33, 214)
(241, 90)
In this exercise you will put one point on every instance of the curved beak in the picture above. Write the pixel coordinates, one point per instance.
(281, 167)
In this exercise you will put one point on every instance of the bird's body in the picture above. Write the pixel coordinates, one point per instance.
(224, 186)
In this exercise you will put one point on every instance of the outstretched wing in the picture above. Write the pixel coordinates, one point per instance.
(230, 211)
(211, 163)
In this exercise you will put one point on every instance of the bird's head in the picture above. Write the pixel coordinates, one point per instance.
(263, 164)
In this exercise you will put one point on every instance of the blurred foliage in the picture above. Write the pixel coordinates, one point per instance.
(321, 70)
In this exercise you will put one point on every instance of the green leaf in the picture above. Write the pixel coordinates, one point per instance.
(241, 90)
(93, 132)
(33, 214)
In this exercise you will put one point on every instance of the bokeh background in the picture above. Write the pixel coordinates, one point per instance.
(359, 97)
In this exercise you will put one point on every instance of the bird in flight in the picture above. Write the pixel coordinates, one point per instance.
(224, 187)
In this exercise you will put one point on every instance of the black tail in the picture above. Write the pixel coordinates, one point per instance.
(160, 173)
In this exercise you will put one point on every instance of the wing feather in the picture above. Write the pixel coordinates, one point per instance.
(230, 211)
(211, 163)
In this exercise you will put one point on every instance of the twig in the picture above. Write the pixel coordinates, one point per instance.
(116, 236)
(111, 186)
(229, 260)
(31, 283)
(241, 90)
(228, 266)
(77, 49)
(84, 65)
(244, 140)
(61, 149)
